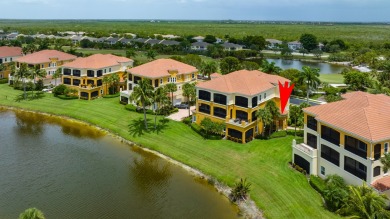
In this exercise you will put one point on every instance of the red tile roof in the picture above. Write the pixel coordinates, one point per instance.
(97, 61)
(6, 51)
(382, 184)
(161, 68)
(363, 114)
(243, 82)
(44, 57)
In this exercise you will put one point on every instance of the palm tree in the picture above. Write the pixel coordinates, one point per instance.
(309, 76)
(107, 81)
(208, 67)
(364, 202)
(274, 110)
(171, 87)
(151, 54)
(32, 213)
(131, 53)
(265, 117)
(36, 73)
(159, 99)
(295, 113)
(143, 94)
(57, 74)
(22, 73)
(114, 78)
(189, 92)
(270, 68)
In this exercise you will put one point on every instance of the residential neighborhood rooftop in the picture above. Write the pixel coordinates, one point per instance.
(363, 114)
(7, 51)
(45, 56)
(242, 82)
(161, 68)
(97, 61)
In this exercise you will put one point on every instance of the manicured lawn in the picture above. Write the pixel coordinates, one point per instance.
(278, 190)
(332, 78)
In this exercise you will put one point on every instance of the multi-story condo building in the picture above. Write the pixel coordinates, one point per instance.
(161, 72)
(346, 138)
(234, 100)
(86, 74)
(7, 55)
(49, 60)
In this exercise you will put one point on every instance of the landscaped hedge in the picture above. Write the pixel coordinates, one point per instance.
(317, 183)
(187, 120)
(133, 108)
(278, 134)
(64, 97)
(112, 95)
(3, 80)
(200, 131)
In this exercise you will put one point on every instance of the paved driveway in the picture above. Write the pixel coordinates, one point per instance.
(181, 114)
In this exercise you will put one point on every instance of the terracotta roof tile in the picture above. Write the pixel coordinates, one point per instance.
(44, 56)
(6, 51)
(161, 68)
(363, 114)
(243, 82)
(97, 61)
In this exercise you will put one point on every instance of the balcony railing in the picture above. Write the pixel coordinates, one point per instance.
(306, 149)
(362, 154)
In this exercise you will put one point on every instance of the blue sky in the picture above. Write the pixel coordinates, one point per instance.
(303, 10)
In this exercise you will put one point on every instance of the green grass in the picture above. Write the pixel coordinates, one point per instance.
(332, 78)
(277, 189)
(367, 33)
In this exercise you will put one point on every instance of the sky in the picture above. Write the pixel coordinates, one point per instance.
(281, 10)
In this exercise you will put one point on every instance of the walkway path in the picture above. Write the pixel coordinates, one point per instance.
(181, 114)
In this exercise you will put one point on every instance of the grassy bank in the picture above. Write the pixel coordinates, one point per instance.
(332, 78)
(278, 190)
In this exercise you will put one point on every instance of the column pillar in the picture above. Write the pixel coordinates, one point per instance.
(243, 137)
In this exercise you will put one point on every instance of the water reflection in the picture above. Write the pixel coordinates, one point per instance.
(34, 123)
(325, 68)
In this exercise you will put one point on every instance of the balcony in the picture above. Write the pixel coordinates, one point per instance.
(88, 87)
(356, 172)
(306, 149)
(239, 122)
(360, 153)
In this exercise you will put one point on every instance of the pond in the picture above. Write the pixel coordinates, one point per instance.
(71, 170)
(325, 68)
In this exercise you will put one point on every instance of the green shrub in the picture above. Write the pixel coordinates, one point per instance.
(59, 90)
(112, 95)
(3, 80)
(187, 120)
(317, 183)
(240, 190)
(197, 129)
(131, 107)
(279, 134)
(64, 97)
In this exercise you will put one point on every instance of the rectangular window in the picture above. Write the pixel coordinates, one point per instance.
(161, 81)
(99, 73)
(241, 101)
(254, 102)
(67, 71)
(204, 108)
(5, 59)
(220, 99)
(311, 140)
(260, 98)
(311, 123)
(42, 66)
(355, 167)
(330, 135)
(90, 73)
(105, 70)
(76, 72)
(204, 95)
(355, 146)
(193, 75)
(330, 155)
(220, 112)
(10, 59)
(109, 70)
(386, 147)
(265, 96)
(322, 170)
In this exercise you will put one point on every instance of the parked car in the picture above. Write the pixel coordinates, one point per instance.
(47, 90)
(182, 106)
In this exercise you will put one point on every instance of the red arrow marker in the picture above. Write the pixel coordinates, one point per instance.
(285, 93)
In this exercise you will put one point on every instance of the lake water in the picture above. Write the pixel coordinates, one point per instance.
(70, 170)
(325, 68)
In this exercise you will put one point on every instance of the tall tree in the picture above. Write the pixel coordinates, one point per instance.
(21, 74)
(189, 92)
(210, 39)
(270, 67)
(309, 41)
(159, 99)
(57, 74)
(386, 162)
(171, 87)
(229, 64)
(107, 81)
(357, 80)
(130, 53)
(143, 94)
(265, 116)
(35, 73)
(310, 77)
(295, 114)
(115, 81)
(250, 65)
(208, 68)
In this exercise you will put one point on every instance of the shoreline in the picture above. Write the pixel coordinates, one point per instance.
(247, 209)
